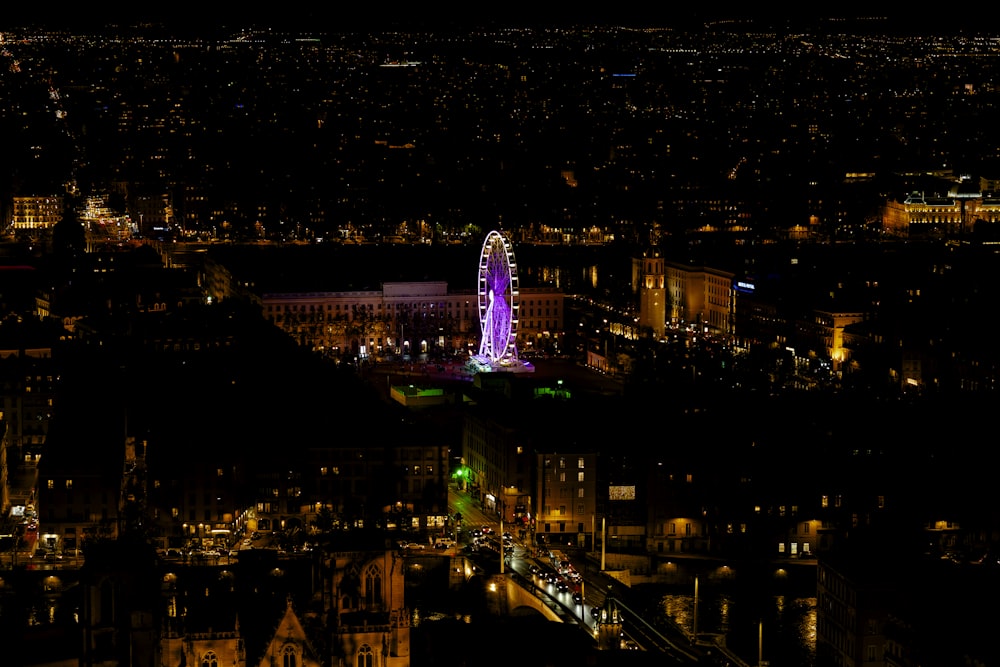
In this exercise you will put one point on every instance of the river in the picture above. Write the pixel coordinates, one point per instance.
(781, 623)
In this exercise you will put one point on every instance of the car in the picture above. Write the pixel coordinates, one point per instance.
(210, 553)
(562, 586)
(414, 545)
(578, 598)
(534, 569)
(595, 612)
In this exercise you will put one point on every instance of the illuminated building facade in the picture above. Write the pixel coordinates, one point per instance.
(931, 216)
(567, 498)
(830, 327)
(36, 212)
(649, 272)
(404, 318)
(368, 620)
(701, 296)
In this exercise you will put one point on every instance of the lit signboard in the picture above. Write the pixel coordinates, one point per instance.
(621, 493)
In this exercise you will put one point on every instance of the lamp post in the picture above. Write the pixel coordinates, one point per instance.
(604, 539)
(694, 623)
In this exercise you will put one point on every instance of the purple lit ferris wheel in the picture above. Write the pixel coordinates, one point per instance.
(498, 300)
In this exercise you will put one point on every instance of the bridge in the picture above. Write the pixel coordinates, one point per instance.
(512, 595)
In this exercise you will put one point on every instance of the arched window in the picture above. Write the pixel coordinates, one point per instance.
(373, 585)
(366, 656)
(288, 657)
(210, 660)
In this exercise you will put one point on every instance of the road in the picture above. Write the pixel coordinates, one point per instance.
(595, 587)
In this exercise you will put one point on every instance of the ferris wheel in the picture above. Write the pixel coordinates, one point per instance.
(498, 299)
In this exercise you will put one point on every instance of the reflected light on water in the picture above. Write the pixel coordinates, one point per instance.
(807, 626)
(789, 624)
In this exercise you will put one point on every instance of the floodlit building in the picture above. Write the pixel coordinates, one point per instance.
(36, 212)
(648, 273)
(701, 296)
(404, 318)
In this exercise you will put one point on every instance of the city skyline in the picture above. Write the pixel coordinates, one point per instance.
(754, 273)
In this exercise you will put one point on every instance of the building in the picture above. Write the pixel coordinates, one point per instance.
(701, 296)
(401, 484)
(363, 597)
(404, 318)
(648, 273)
(36, 212)
(567, 497)
(923, 215)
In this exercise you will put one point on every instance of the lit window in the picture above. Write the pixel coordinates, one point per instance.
(562, 463)
(579, 462)
(69, 484)
(218, 472)
(881, 502)
(781, 547)
(579, 492)
(579, 476)
(324, 471)
(51, 484)
(824, 501)
(562, 477)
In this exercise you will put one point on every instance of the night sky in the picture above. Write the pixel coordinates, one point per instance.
(195, 17)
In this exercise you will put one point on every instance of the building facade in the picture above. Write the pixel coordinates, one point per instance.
(567, 497)
(649, 272)
(405, 318)
(701, 296)
(36, 212)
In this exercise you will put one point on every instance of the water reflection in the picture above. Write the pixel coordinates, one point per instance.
(789, 624)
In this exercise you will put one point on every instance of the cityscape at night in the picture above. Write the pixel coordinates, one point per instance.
(402, 340)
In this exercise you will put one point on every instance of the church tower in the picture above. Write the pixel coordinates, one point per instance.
(609, 626)
(650, 274)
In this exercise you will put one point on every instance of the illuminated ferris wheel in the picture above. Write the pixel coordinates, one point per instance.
(498, 300)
